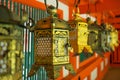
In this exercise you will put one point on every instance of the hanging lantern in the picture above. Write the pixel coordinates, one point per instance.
(110, 37)
(79, 36)
(51, 37)
(105, 34)
(114, 41)
(10, 46)
(93, 37)
(99, 38)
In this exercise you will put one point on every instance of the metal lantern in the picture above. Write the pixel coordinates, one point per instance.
(10, 46)
(114, 41)
(111, 37)
(51, 45)
(103, 38)
(105, 34)
(97, 38)
(79, 34)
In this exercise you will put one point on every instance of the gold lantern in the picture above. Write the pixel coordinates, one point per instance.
(79, 36)
(114, 41)
(51, 45)
(10, 46)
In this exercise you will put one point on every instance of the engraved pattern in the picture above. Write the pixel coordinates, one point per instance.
(60, 40)
(43, 43)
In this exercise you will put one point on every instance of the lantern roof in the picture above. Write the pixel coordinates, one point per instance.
(52, 21)
(7, 16)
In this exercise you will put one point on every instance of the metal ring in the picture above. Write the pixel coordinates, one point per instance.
(46, 4)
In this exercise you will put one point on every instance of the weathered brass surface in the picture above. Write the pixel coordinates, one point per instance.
(48, 41)
(95, 39)
(60, 49)
(99, 38)
(83, 37)
(10, 46)
(79, 34)
(10, 52)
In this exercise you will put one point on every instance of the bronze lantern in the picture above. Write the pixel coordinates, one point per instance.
(98, 38)
(10, 46)
(51, 37)
(79, 34)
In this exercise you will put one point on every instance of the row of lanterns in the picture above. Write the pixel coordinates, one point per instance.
(63, 36)
(59, 36)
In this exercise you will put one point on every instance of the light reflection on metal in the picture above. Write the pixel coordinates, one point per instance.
(51, 45)
(79, 34)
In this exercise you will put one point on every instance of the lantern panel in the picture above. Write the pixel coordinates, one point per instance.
(43, 46)
(83, 37)
(60, 49)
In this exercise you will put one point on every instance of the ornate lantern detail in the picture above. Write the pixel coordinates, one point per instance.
(51, 45)
(10, 46)
(79, 36)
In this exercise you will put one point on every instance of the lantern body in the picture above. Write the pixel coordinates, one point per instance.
(114, 39)
(51, 45)
(10, 52)
(99, 38)
(51, 51)
(11, 46)
(83, 37)
(79, 36)
(95, 39)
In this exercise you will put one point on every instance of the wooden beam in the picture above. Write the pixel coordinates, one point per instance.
(113, 20)
(106, 5)
(117, 26)
(116, 12)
